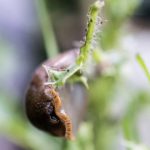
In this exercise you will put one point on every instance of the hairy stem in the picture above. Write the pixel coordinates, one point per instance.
(60, 77)
(91, 31)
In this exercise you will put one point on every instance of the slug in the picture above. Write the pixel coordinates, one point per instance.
(57, 111)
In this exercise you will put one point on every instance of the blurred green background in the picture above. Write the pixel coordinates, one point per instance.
(118, 115)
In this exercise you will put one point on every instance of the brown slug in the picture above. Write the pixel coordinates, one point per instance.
(57, 111)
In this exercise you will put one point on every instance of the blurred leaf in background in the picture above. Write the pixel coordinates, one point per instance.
(116, 14)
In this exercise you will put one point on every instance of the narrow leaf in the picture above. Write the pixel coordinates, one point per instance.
(143, 65)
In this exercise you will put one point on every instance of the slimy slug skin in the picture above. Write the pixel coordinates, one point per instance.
(56, 110)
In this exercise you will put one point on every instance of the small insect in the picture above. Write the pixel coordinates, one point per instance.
(91, 20)
(68, 70)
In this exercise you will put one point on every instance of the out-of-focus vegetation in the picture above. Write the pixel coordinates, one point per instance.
(117, 13)
(114, 106)
(143, 65)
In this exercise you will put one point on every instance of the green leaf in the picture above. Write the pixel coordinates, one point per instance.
(143, 65)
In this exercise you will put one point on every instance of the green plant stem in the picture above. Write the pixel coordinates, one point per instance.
(47, 30)
(62, 76)
(91, 30)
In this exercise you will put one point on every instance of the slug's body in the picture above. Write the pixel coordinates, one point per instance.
(59, 111)
(56, 111)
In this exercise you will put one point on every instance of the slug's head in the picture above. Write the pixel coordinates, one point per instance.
(40, 110)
